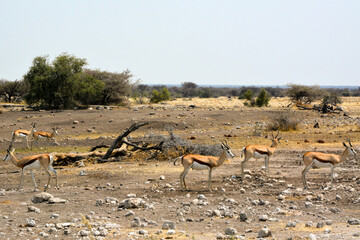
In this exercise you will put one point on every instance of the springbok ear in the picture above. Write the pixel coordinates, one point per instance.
(344, 144)
(279, 138)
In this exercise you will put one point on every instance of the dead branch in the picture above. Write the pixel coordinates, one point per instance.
(156, 147)
(99, 146)
(119, 140)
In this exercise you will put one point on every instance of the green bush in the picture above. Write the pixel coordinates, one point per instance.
(163, 95)
(263, 98)
(248, 94)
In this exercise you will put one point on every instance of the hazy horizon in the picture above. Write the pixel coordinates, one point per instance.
(206, 42)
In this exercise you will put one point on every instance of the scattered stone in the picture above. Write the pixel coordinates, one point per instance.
(84, 233)
(353, 221)
(230, 231)
(168, 225)
(2, 192)
(54, 216)
(334, 210)
(308, 204)
(243, 217)
(309, 224)
(162, 177)
(264, 232)
(133, 203)
(41, 197)
(312, 236)
(129, 213)
(320, 225)
(291, 224)
(328, 222)
(83, 173)
(170, 232)
(30, 222)
(33, 209)
(201, 197)
(55, 200)
(263, 218)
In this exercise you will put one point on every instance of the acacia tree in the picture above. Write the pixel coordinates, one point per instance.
(303, 93)
(117, 85)
(12, 91)
(189, 89)
(53, 85)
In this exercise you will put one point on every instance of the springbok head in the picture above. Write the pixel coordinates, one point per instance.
(225, 147)
(54, 129)
(8, 152)
(275, 139)
(350, 148)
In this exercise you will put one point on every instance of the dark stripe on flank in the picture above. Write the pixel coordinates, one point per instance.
(203, 163)
(29, 162)
(262, 152)
(320, 160)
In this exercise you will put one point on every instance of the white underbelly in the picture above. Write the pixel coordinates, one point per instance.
(42, 137)
(198, 166)
(259, 155)
(21, 135)
(34, 165)
(321, 164)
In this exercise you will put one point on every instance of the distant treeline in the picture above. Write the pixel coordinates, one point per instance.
(66, 83)
(190, 89)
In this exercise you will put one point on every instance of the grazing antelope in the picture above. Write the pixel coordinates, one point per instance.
(32, 162)
(43, 135)
(23, 134)
(260, 151)
(320, 159)
(201, 162)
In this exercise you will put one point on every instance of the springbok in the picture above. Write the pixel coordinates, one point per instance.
(23, 134)
(32, 162)
(201, 162)
(260, 151)
(43, 135)
(320, 159)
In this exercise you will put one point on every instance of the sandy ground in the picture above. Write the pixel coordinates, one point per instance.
(280, 197)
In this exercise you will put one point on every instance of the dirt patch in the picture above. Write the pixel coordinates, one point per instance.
(197, 213)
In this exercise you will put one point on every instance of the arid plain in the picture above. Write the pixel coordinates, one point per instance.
(238, 208)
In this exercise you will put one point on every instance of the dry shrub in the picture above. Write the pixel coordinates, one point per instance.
(284, 122)
(175, 146)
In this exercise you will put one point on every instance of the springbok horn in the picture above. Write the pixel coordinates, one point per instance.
(278, 132)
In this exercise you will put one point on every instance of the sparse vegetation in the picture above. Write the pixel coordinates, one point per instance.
(284, 122)
(163, 95)
(263, 99)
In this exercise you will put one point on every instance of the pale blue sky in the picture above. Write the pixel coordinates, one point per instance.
(203, 41)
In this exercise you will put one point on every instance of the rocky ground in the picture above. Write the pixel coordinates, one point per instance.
(142, 199)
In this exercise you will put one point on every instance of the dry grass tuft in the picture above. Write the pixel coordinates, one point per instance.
(284, 122)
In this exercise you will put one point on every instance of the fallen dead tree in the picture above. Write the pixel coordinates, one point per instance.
(116, 149)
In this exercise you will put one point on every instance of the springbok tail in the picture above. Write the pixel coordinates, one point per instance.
(243, 151)
(176, 159)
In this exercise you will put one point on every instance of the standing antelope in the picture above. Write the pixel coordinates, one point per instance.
(43, 135)
(23, 134)
(201, 162)
(320, 159)
(260, 151)
(32, 162)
